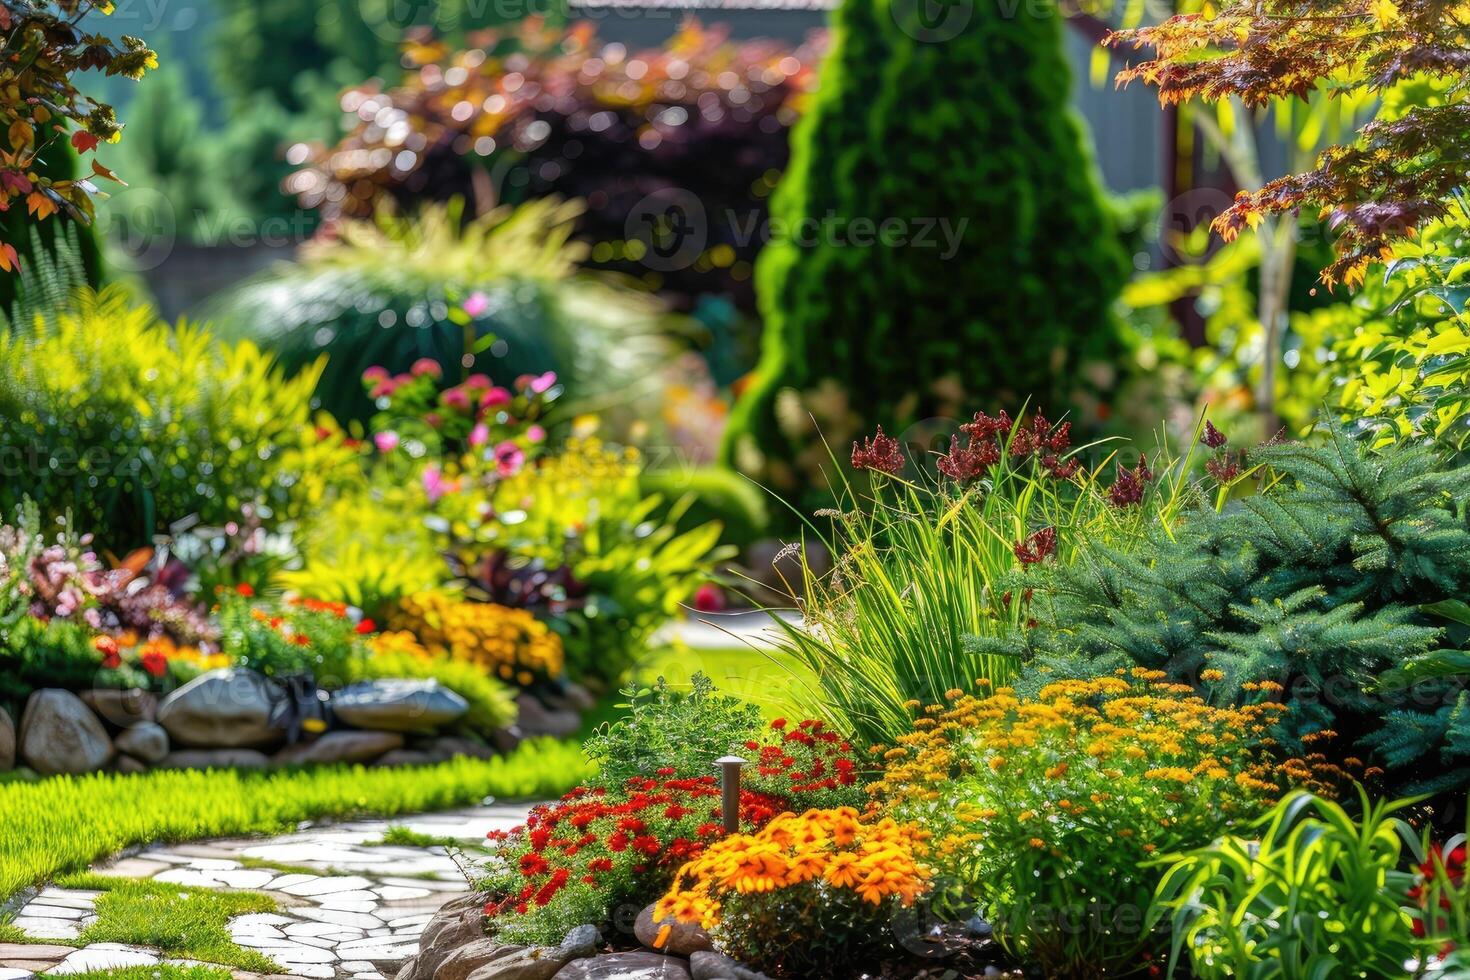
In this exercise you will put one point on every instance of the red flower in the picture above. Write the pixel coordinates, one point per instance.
(778, 724)
(366, 626)
(245, 589)
(1212, 437)
(111, 656)
(154, 662)
(881, 453)
(1037, 547)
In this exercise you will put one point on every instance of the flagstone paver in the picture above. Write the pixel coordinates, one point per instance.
(349, 910)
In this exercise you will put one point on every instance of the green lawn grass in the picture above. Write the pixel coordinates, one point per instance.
(181, 921)
(740, 671)
(163, 971)
(63, 824)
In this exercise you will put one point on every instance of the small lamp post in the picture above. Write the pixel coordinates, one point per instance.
(730, 790)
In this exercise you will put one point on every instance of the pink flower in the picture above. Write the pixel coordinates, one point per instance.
(384, 388)
(385, 441)
(435, 486)
(375, 373)
(480, 434)
(426, 366)
(477, 304)
(709, 598)
(541, 383)
(495, 397)
(477, 381)
(536, 434)
(508, 458)
(455, 398)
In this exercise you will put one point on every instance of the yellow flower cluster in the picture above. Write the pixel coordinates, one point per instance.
(876, 859)
(510, 643)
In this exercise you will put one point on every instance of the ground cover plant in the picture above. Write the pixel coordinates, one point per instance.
(62, 825)
(181, 921)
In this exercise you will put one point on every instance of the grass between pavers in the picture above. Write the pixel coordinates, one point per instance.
(181, 921)
(163, 971)
(65, 823)
(400, 836)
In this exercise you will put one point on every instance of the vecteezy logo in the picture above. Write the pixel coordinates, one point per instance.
(143, 225)
(932, 21)
(671, 227)
(388, 19)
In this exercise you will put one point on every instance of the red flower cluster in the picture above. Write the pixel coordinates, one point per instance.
(627, 844)
(807, 761)
(1224, 465)
(881, 453)
(1452, 864)
(987, 435)
(1037, 547)
(1128, 488)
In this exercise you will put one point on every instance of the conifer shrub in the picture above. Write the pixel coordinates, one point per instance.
(1313, 591)
(993, 261)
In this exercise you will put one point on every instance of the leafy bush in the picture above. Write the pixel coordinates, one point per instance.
(1047, 813)
(1313, 586)
(715, 494)
(590, 121)
(391, 292)
(681, 733)
(895, 332)
(510, 644)
(929, 562)
(1318, 894)
(111, 415)
(292, 637)
(804, 896)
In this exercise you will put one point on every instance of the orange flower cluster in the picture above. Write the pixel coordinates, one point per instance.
(510, 643)
(877, 860)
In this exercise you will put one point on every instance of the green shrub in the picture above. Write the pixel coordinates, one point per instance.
(129, 425)
(1316, 894)
(1011, 306)
(58, 825)
(1315, 586)
(718, 494)
(671, 733)
(389, 293)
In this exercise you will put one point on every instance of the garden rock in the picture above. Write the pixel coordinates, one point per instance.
(146, 741)
(684, 937)
(537, 719)
(225, 709)
(448, 746)
(466, 960)
(59, 734)
(581, 942)
(405, 757)
(708, 965)
(128, 766)
(122, 709)
(215, 759)
(398, 705)
(340, 747)
(458, 923)
(638, 965)
(7, 742)
(530, 963)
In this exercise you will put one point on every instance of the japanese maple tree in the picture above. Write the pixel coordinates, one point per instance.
(1402, 169)
(44, 45)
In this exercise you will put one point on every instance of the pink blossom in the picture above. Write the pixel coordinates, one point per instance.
(508, 458)
(477, 304)
(375, 373)
(480, 434)
(385, 441)
(536, 434)
(455, 398)
(435, 486)
(709, 598)
(541, 383)
(477, 381)
(495, 397)
(384, 388)
(426, 366)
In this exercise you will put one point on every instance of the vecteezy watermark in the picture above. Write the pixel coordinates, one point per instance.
(670, 229)
(145, 227)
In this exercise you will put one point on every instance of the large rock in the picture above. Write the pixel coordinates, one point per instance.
(467, 959)
(145, 741)
(405, 757)
(398, 705)
(7, 742)
(339, 747)
(59, 734)
(638, 965)
(707, 965)
(448, 746)
(215, 759)
(535, 718)
(223, 709)
(128, 766)
(683, 938)
(459, 922)
(122, 709)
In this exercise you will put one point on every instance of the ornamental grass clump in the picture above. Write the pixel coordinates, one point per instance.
(806, 895)
(1046, 814)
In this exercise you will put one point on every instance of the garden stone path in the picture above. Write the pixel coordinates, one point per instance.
(352, 910)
